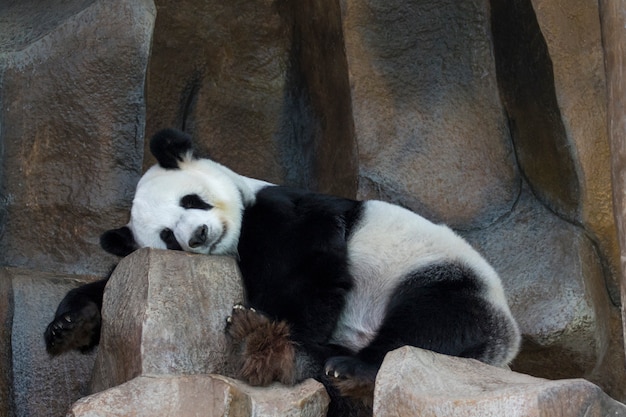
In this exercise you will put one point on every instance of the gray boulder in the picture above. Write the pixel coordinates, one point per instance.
(413, 379)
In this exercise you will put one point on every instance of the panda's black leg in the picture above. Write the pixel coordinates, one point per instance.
(77, 321)
(438, 309)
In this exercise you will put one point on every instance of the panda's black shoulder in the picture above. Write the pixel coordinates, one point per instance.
(303, 206)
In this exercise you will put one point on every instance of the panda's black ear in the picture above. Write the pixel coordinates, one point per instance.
(170, 146)
(119, 242)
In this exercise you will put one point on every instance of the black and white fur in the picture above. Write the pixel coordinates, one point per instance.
(348, 280)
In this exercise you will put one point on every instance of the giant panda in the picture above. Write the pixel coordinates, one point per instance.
(332, 284)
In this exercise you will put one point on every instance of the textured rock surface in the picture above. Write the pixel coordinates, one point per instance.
(261, 84)
(423, 81)
(574, 41)
(613, 23)
(437, 385)
(72, 82)
(565, 321)
(164, 312)
(6, 366)
(219, 69)
(41, 385)
(551, 78)
(557, 105)
(203, 395)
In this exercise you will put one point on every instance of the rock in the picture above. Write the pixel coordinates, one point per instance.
(614, 41)
(557, 105)
(72, 80)
(39, 385)
(547, 271)
(6, 321)
(164, 313)
(438, 385)
(431, 131)
(321, 98)
(573, 36)
(207, 395)
(218, 70)
(261, 85)
(552, 81)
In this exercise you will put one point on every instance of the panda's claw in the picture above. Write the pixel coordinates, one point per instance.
(77, 329)
(352, 377)
(243, 321)
(332, 373)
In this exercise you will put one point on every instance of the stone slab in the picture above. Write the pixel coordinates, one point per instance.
(164, 313)
(203, 395)
(440, 386)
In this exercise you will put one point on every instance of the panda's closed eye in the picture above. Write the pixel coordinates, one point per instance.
(167, 236)
(194, 201)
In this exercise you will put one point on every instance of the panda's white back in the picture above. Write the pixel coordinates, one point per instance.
(385, 247)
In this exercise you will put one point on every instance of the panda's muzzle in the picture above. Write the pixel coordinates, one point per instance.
(199, 236)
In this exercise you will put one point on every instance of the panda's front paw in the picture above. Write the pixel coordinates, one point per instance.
(77, 328)
(352, 377)
(262, 348)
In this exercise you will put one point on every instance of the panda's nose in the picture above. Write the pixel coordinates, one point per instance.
(199, 236)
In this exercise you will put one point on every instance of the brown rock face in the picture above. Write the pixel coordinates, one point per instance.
(73, 117)
(431, 131)
(552, 81)
(526, 79)
(613, 22)
(555, 307)
(164, 313)
(261, 85)
(437, 385)
(6, 366)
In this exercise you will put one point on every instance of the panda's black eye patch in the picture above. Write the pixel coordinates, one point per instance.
(167, 236)
(194, 201)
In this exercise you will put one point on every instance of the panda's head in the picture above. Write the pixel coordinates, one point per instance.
(183, 203)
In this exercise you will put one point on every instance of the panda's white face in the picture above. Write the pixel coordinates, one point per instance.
(196, 208)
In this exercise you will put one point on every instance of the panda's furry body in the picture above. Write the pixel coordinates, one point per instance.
(335, 283)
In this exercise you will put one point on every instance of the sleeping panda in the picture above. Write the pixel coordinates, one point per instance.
(332, 284)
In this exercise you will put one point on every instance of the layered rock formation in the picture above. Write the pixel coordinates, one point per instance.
(501, 118)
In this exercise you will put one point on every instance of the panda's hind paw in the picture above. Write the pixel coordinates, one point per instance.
(77, 329)
(352, 377)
